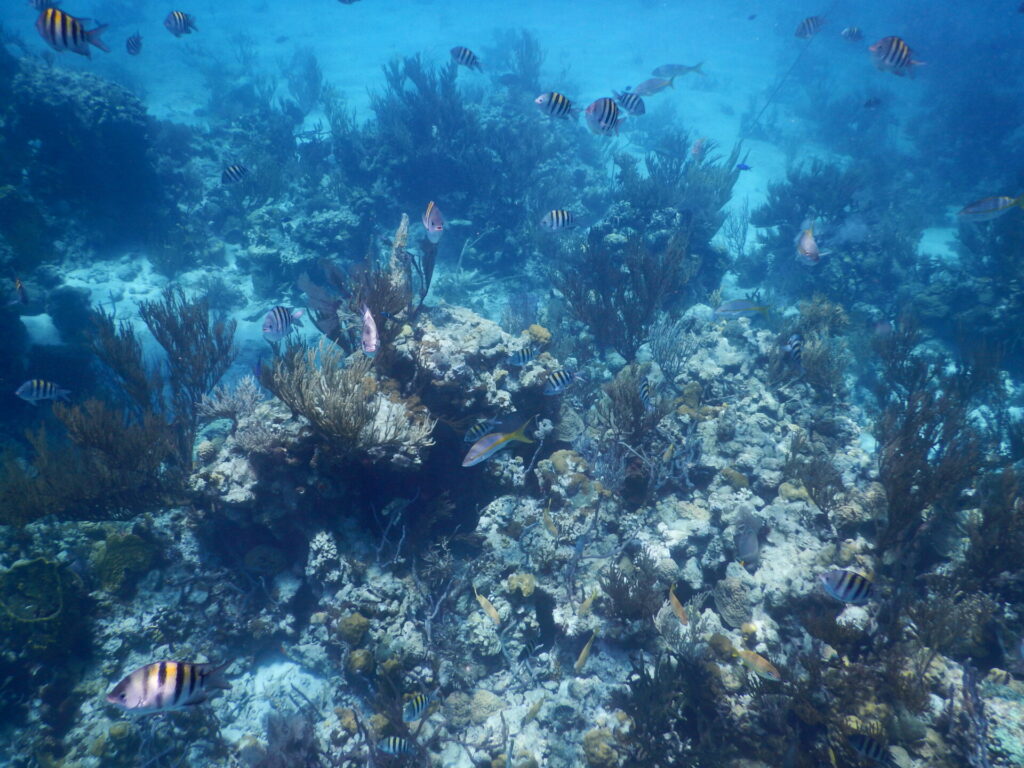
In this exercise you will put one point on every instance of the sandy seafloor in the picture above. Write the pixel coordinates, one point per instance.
(591, 48)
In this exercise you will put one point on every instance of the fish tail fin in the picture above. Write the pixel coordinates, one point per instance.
(520, 434)
(697, 68)
(215, 677)
(93, 35)
(672, 81)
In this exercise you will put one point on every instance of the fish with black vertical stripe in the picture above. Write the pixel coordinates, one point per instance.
(555, 104)
(134, 44)
(168, 685)
(809, 27)
(64, 32)
(630, 102)
(892, 54)
(466, 58)
(603, 117)
(847, 586)
(558, 219)
(179, 23)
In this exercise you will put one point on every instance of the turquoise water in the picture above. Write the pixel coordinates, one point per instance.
(361, 411)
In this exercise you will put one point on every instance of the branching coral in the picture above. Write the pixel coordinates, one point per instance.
(347, 405)
(616, 286)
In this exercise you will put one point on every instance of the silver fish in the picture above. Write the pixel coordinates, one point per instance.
(370, 338)
(34, 390)
(168, 685)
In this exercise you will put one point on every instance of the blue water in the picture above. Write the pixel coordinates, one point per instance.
(784, 322)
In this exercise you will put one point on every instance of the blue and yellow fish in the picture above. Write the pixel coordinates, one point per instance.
(490, 444)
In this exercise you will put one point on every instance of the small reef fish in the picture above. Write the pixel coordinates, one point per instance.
(34, 390)
(133, 44)
(699, 149)
(759, 665)
(558, 382)
(416, 706)
(740, 308)
(809, 27)
(492, 443)
(64, 32)
(234, 173)
(677, 70)
(488, 607)
(743, 167)
(871, 749)
(466, 58)
(478, 430)
(588, 603)
(395, 745)
(558, 219)
(521, 357)
(555, 104)
(892, 54)
(531, 713)
(847, 586)
(747, 541)
(20, 294)
(549, 524)
(179, 23)
(370, 339)
(433, 222)
(168, 685)
(807, 247)
(630, 102)
(653, 85)
(990, 208)
(853, 34)
(794, 348)
(603, 117)
(677, 607)
(279, 322)
(581, 660)
(643, 390)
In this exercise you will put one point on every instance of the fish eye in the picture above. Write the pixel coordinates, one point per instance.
(123, 696)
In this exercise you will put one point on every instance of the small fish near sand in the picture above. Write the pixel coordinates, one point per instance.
(989, 208)
(490, 444)
(417, 706)
(740, 308)
(677, 70)
(165, 686)
(653, 85)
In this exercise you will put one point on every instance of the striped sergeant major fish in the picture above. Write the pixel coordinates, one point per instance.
(892, 54)
(521, 357)
(847, 586)
(603, 117)
(555, 104)
(234, 173)
(466, 58)
(871, 749)
(853, 34)
(168, 685)
(416, 706)
(809, 27)
(630, 102)
(179, 23)
(279, 322)
(558, 219)
(644, 391)
(395, 745)
(134, 44)
(64, 32)
(559, 381)
(34, 390)
(478, 430)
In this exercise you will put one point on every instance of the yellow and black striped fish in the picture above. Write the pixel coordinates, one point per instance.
(521, 357)
(63, 32)
(134, 44)
(416, 706)
(168, 685)
(558, 219)
(466, 58)
(809, 26)
(234, 173)
(555, 104)
(34, 390)
(179, 23)
(847, 586)
(644, 391)
(395, 745)
(892, 54)
(478, 430)
(559, 381)
(853, 34)
(630, 102)
(603, 116)
(872, 749)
